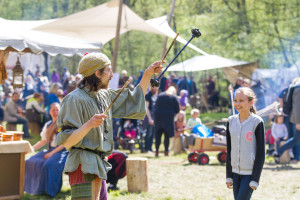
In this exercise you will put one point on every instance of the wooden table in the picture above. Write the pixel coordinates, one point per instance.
(12, 168)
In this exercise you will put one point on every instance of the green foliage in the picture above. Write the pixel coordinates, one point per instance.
(211, 117)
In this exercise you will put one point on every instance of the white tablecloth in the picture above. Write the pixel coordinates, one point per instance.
(16, 147)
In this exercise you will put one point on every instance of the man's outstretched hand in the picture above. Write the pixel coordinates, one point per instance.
(154, 68)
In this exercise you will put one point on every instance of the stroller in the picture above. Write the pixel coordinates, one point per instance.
(130, 132)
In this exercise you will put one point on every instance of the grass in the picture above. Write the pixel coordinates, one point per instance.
(173, 177)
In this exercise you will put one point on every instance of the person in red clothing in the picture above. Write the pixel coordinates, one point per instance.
(270, 141)
(269, 138)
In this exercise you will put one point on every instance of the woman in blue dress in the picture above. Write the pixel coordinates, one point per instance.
(43, 171)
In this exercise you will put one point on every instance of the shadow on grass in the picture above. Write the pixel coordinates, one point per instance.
(66, 194)
(212, 164)
(121, 193)
(279, 167)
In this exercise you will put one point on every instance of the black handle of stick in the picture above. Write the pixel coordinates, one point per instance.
(155, 82)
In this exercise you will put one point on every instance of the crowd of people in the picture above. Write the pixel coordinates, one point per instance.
(163, 106)
(80, 137)
(32, 104)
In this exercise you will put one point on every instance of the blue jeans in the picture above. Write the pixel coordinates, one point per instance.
(241, 188)
(278, 142)
(292, 131)
(149, 137)
(290, 143)
(182, 137)
(25, 126)
(289, 126)
(296, 148)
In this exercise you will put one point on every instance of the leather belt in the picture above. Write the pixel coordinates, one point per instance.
(99, 153)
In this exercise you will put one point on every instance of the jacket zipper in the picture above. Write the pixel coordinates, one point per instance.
(240, 149)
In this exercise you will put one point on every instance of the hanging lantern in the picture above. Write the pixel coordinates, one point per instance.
(18, 75)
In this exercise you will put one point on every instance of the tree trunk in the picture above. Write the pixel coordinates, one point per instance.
(283, 50)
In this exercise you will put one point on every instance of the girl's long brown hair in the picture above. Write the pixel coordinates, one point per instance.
(52, 129)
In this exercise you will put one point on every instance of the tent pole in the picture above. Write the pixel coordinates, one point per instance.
(115, 53)
(297, 69)
(218, 80)
(169, 22)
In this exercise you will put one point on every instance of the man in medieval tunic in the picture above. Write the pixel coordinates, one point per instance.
(86, 132)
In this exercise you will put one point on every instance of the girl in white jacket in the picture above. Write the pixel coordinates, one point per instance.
(245, 146)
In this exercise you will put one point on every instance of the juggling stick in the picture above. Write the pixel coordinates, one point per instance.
(155, 82)
(163, 58)
(110, 105)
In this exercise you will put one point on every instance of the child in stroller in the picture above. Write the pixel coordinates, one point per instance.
(130, 133)
(130, 128)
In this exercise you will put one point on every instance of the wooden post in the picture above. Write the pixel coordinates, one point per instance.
(34, 128)
(137, 174)
(115, 53)
(177, 146)
(11, 127)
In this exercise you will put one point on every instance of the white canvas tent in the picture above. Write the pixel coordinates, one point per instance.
(89, 27)
(99, 24)
(161, 24)
(28, 61)
(199, 63)
(18, 36)
(231, 68)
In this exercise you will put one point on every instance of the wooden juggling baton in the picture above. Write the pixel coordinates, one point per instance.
(163, 58)
(128, 81)
(110, 105)
(155, 82)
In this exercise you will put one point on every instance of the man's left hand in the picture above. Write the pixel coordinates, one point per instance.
(154, 68)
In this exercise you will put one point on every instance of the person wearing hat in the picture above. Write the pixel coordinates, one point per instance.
(123, 78)
(86, 132)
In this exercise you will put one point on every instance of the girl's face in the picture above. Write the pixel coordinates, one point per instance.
(180, 117)
(280, 120)
(195, 115)
(54, 110)
(241, 103)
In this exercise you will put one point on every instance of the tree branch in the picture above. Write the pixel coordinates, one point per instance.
(227, 4)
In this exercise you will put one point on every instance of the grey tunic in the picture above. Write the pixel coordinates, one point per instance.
(11, 111)
(80, 106)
